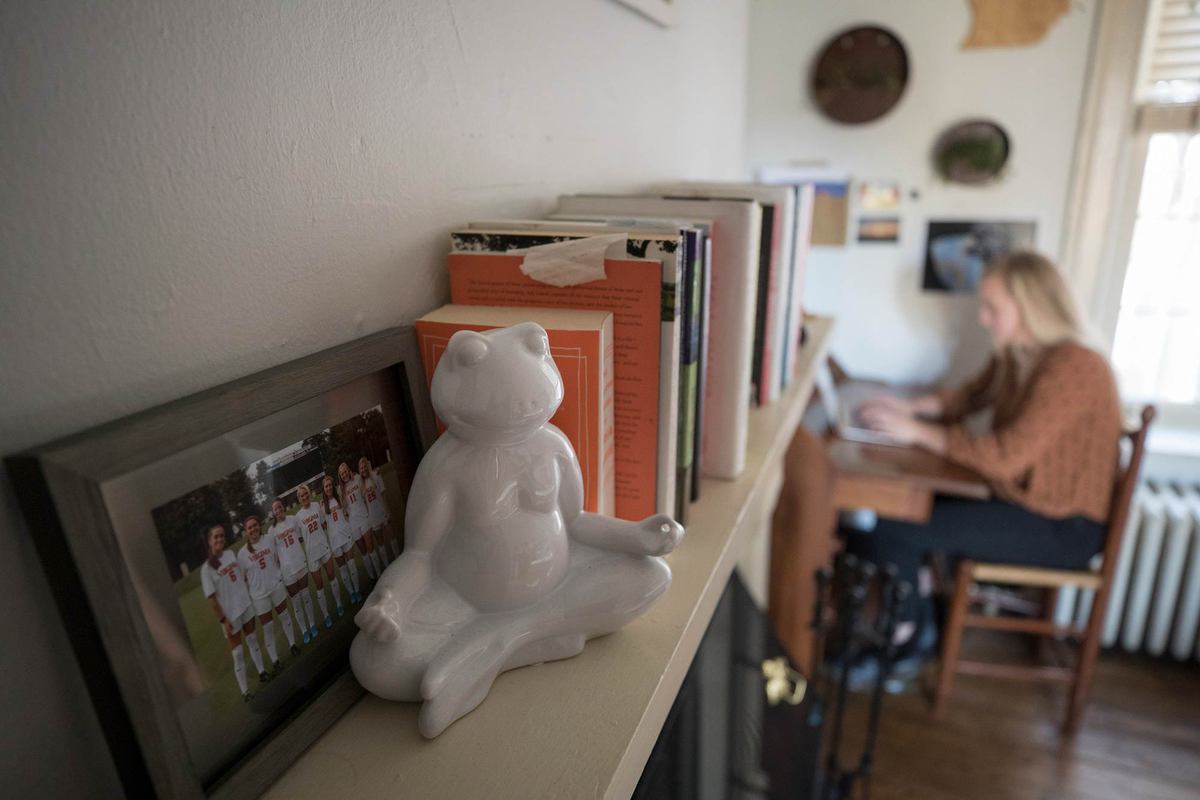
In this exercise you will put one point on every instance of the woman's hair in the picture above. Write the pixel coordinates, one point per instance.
(246, 527)
(212, 560)
(1048, 307)
(324, 496)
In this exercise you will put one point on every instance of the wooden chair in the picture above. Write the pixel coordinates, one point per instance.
(1078, 677)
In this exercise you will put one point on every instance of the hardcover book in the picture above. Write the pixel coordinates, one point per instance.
(733, 277)
(581, 343)
(632, 291)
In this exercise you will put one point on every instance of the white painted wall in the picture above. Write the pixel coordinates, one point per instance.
(888, 327)
(194, 191)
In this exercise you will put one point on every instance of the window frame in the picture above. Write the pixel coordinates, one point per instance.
(1111, 148)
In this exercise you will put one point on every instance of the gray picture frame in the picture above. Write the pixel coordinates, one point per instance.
(59, 487)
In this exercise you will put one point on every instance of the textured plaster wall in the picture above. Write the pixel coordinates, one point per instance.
(888, 327)
(193, 191)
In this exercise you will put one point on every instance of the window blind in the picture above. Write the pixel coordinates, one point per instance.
(1170, 70)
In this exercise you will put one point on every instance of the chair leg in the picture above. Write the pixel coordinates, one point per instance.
(953, 638)
(1051, 603)
(1085, 668)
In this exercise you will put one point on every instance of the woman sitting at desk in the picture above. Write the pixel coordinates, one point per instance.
(1050, 456)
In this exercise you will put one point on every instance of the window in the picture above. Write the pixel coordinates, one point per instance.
(1156, 343)
(1156, 350)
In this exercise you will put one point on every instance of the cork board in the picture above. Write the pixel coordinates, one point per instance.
(1012, 23)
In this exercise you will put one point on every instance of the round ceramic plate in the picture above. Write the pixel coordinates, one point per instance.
(971, 152)
(860, 75)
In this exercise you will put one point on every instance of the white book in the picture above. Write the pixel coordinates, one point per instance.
(734, 276)
(782, 200)
(800, 251)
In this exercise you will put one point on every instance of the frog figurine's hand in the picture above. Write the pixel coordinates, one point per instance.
(660, 534)
(380, 617)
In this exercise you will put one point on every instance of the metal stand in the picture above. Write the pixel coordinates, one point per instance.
(851, 635)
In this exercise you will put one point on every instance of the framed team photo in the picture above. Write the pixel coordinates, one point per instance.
(208, 558)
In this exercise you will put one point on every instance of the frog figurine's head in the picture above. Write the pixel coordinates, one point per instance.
(499, 386)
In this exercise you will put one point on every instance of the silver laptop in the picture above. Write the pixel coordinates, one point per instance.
(842, 402)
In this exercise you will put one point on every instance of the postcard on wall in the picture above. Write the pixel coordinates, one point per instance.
(878, 230)
(831, 204)
(878, 196)
(956, 251)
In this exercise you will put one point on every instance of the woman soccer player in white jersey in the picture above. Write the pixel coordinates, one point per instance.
(224, 585)
(355, 503)
(377, 513)
(288, 540)
(267, 591)
(320, 557)
(341, 540)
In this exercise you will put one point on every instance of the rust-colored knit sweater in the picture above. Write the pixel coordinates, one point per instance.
(1054, 444)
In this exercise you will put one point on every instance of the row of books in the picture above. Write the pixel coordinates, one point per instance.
(669, 314)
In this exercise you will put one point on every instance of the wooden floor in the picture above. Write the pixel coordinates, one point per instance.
(1001, 739)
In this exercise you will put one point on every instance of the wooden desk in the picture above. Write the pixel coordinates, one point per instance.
(896, 482)
(824, 475)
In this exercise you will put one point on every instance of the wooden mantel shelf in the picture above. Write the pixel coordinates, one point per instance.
(583, 727)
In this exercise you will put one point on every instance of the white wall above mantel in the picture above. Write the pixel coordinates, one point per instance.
(194, 191)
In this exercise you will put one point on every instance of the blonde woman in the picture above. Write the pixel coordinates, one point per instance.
(311, 519)
(352, 494)
(341, 538)
(1050, 455)
(288, 541)
(380, 518)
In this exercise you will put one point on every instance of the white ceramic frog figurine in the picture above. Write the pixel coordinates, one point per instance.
(501, 567)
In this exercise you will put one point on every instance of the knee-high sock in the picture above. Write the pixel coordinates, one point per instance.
(239, 668)
(269, 635)
(309, 621)
(321, 602)
(375, 561)
(395, 548)
(335, 592)
(285, 619)
(351, 584)
(372, 572)
(255, 653)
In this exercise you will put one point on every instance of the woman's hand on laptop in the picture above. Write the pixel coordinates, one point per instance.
(928, 405)
(899, 423)
(887, 404)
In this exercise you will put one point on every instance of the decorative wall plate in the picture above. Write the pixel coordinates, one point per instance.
(860, 75)
(971, 152)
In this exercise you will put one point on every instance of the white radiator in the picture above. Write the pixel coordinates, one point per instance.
(1154, 604)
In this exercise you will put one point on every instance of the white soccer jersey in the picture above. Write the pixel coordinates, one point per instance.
(310, 518)
(261, 568)
(340, 535)
(287, 537)
(373, 490)
(228, 583)
(356, 505)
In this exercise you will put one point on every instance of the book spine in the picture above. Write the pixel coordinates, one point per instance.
(785, 232)
(608, 430)
(800, 250)
(760, 367)
(668, 393)
(689, 351)
(705, 276)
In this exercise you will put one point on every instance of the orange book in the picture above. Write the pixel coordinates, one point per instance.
(581, 343)
(632, 291)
